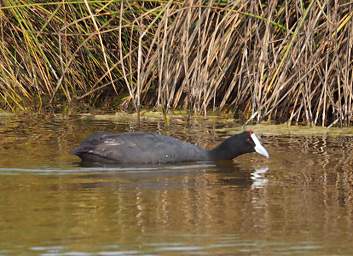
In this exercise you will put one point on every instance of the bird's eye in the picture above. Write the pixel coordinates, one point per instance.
(250, 141)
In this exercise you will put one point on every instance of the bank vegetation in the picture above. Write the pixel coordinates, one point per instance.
(288, 61)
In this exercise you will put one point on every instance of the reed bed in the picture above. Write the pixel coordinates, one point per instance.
(288, 61)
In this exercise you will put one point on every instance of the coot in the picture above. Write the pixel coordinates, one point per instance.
(150, 148)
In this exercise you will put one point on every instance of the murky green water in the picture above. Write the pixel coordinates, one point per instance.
(299, 202)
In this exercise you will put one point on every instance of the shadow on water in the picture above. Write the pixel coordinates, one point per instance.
(299, 202)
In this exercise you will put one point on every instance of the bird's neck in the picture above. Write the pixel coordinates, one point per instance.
(227, 150)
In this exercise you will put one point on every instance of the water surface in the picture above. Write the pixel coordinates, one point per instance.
(299, 202)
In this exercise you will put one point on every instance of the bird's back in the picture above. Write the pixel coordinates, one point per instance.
(138, 148)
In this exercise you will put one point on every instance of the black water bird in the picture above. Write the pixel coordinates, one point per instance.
(151, 148)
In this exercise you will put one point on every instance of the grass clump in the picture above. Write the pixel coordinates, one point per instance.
(289, 61)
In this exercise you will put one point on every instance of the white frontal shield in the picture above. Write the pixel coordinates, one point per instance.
(258, 147)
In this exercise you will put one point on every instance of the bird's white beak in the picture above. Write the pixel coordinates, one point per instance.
(258, 147)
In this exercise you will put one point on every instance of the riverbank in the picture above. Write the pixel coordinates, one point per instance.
(285, 61)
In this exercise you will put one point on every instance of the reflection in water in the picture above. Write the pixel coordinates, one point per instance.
(298, 203)
(258, 177)
(121, 206)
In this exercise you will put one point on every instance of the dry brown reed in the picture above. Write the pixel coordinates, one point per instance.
(289, 61)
